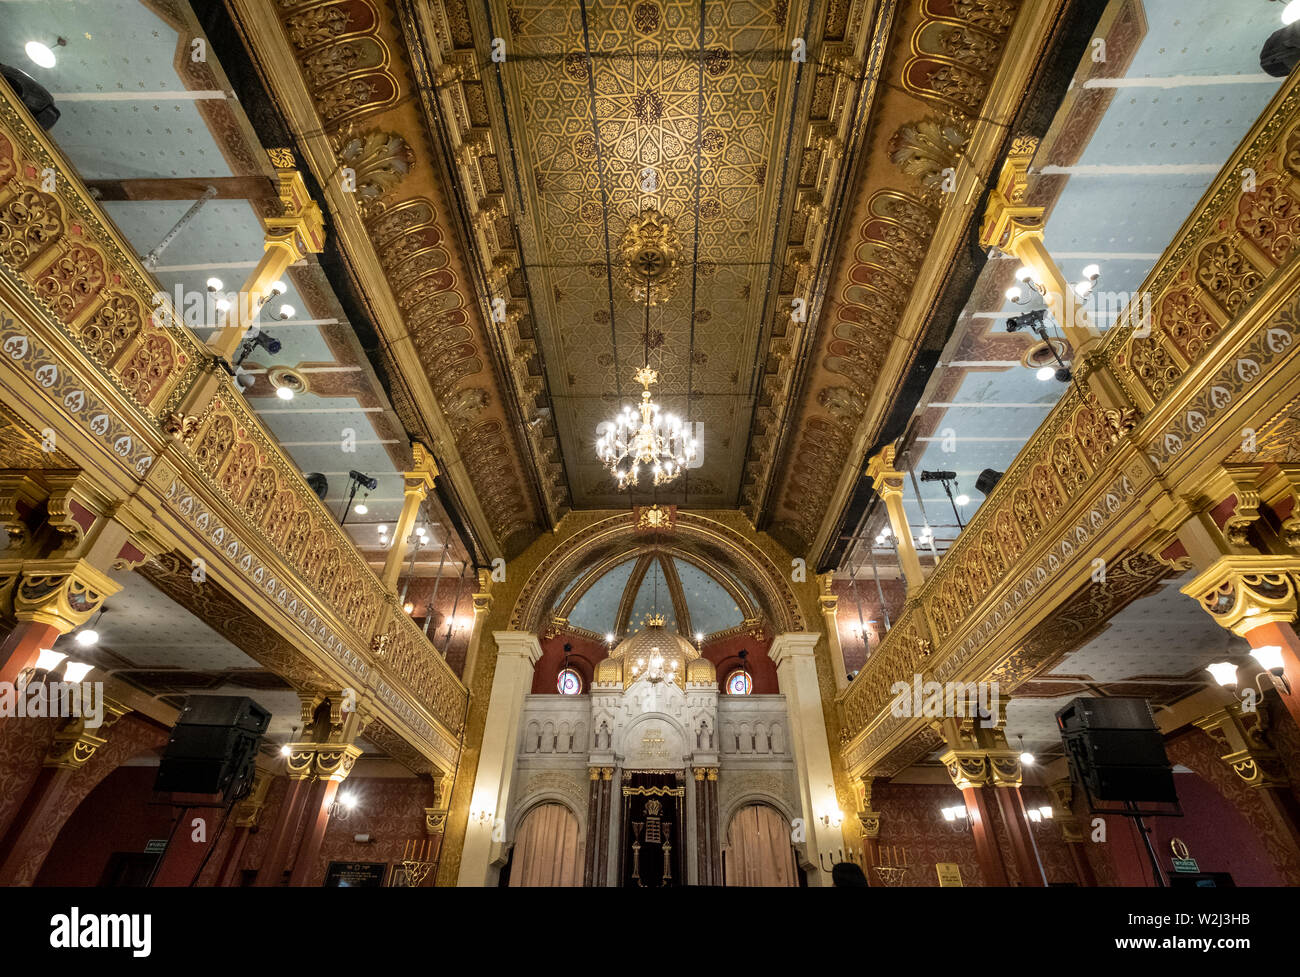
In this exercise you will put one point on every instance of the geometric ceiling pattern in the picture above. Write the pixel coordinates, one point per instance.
(616, 117)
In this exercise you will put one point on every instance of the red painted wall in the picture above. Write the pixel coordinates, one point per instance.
(583, 658)
(724, 653)
(116, 816)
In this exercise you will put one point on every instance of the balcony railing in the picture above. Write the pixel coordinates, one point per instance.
(98, 346)
(1070, 480)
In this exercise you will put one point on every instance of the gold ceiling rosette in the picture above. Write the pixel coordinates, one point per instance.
(651, 257)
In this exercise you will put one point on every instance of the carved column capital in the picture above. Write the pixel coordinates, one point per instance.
(435, 820)
(1242, 592)
(61, 593)
(75, 744)
(1243, 738)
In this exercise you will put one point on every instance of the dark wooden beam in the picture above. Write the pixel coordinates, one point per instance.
(228, 188)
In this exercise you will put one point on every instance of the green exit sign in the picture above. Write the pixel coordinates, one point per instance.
(155, 847)
(1186, 865)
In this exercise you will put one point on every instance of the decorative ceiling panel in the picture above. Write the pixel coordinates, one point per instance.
(599, 129)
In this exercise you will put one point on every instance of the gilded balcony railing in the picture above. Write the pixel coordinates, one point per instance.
(1172, 373)
(99, 344)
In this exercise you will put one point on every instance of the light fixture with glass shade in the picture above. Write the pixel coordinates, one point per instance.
(41, 54)
(646, 437)
(1225, 673)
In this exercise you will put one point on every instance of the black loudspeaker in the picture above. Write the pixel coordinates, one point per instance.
(1116, 750)
(213, 747)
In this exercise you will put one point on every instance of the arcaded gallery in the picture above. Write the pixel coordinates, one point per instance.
(675, 443)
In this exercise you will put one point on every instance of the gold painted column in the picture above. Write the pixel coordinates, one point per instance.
(418, 482)
(299, 231)
(482, 608)
(888, 483)
(829, 604)
(1016, 228)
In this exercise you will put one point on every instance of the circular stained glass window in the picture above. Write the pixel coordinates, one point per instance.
(739, 683)
(569, 682)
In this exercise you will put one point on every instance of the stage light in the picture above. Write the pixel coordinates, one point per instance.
(1225, 673)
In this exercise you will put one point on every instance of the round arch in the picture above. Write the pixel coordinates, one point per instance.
(691, 534)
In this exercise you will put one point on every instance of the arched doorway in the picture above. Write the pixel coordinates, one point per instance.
(758, 848)
(546, 848)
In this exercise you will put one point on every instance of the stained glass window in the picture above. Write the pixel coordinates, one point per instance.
(570, 682)
(739, 683)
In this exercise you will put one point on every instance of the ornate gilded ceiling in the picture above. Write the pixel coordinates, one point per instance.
(618, 150)
(522, 166)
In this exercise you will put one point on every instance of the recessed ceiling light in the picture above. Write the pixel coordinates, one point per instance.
(42, 55)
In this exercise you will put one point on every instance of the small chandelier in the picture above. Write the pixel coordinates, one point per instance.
(646, 437)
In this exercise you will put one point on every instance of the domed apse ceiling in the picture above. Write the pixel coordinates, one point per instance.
(692, 600)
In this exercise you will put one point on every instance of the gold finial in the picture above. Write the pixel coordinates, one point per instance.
(656, 621)
(646, 376)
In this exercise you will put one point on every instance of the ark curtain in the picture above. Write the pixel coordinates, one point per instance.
(758, 848)
(546, 848)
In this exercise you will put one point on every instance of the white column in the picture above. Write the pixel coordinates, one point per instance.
(796, 669)
(517, 653)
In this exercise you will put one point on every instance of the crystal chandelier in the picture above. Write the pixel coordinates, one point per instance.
(648, 437)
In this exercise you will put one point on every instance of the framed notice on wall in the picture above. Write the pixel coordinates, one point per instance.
(356, 875)
(949, 874)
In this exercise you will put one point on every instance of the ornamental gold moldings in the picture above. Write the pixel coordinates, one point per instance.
(75, 745)
(1243, 592)
(1242, 736)
(650, 253)
(379, 160)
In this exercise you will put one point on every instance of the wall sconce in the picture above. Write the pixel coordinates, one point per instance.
(1084, 287)
(957, 816)
(482, 817)
(1269, 658)
(832, 819)
(344, 804)
(1037, 814)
